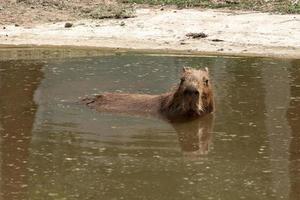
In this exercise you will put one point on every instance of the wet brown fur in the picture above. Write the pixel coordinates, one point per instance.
(192, 98)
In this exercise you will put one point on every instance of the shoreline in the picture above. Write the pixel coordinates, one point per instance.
(154, 52)
(238, 33)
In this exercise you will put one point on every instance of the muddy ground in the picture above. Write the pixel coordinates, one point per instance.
(159, 29)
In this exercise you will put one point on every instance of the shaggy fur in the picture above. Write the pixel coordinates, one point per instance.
(192, 98)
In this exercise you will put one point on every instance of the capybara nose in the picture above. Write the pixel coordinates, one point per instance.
(191, 92)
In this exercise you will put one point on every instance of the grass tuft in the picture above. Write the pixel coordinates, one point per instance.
(117, 11)
(275, 6)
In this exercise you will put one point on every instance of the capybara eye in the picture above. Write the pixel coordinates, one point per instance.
(206, 82)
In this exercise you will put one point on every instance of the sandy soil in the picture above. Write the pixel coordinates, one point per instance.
(238, 32)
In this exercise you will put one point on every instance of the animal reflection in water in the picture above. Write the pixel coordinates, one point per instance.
(195, 136)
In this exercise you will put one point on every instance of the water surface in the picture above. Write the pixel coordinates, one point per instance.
(53, 148)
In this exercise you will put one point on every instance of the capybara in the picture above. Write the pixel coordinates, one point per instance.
(192, 98)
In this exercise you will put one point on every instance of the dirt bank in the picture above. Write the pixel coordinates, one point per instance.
(229, 32)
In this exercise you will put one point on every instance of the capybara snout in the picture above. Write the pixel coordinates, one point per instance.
(191, 92)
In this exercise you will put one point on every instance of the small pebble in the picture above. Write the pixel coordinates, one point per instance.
(68, 25)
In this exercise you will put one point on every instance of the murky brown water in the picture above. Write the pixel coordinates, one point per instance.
(52, 148)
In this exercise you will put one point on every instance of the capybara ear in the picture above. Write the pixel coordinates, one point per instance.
(206, 69)
(185, 69)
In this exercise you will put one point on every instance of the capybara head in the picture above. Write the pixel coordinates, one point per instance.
(193, 97)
